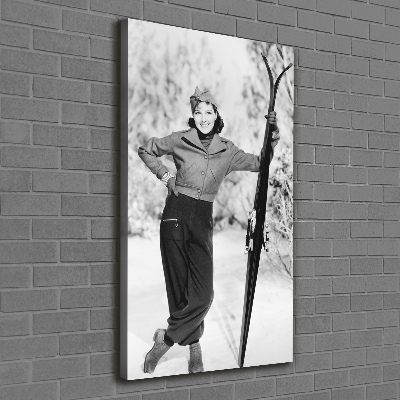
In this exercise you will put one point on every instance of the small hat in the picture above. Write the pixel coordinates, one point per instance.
(201, 95)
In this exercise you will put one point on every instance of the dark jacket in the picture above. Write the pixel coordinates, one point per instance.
(199, 171)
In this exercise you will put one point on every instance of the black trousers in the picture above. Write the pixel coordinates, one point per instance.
(186, 239)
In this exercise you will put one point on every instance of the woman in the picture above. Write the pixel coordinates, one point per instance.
(202, 159)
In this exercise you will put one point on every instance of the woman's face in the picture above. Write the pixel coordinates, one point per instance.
(204, 117)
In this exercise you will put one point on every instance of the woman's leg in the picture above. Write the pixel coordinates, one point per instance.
(196, 358)
(175, 271)
(186, 248)
(159, 348)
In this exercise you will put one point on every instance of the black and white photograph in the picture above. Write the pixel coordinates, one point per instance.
(207, 277)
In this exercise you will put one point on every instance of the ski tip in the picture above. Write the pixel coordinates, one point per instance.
(286, 68)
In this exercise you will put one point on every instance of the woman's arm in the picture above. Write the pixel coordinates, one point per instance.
(152, 150)
(242, 161)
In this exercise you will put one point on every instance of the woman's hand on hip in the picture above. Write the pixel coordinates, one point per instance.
(172, 187)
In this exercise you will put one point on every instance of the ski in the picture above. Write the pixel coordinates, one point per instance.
(256, 237)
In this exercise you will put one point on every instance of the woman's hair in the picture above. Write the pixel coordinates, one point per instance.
(218, 124)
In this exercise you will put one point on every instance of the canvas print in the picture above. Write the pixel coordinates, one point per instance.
(206, 186)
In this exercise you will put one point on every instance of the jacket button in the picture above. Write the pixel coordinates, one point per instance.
(205, 157)
(199, 190)
(202, 172)
(197, 196)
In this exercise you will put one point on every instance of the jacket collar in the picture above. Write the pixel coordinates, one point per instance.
(216, 144)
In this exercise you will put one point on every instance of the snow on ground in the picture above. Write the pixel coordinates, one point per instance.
(270, 338)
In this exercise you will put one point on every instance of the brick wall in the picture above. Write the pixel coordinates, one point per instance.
(59, 194)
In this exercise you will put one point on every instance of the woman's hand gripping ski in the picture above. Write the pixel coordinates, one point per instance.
(271, 117)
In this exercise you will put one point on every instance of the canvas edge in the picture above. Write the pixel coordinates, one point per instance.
(124, 200)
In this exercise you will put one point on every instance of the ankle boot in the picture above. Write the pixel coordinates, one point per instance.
(158, 350)
(196, 362)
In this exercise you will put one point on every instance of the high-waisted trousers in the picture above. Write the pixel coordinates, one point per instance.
(186, 239)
